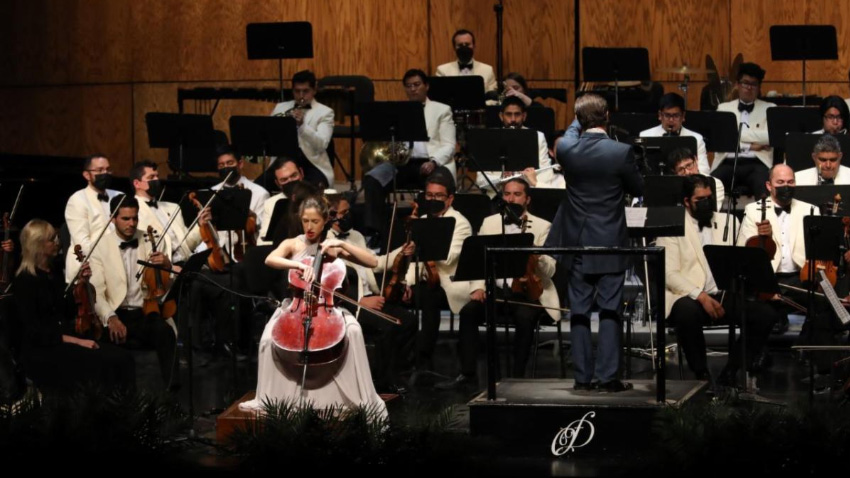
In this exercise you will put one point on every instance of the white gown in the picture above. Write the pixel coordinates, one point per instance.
(346, 382)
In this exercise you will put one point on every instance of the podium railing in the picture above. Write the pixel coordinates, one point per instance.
(654, 254)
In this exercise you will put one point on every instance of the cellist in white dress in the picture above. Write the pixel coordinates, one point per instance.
(346, 382)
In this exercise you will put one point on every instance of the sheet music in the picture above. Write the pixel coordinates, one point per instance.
(834, 302)
(636, 217)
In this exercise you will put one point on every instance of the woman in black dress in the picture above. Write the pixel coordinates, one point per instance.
(53, 356)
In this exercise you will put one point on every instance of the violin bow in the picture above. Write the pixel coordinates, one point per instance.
(96, 242)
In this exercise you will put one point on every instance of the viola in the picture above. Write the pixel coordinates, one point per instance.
(828, 267)
(530, 284)
(157, 282)
(86, 321)
(763, 242)
(312, 331)
(395, 287)
(217, 259)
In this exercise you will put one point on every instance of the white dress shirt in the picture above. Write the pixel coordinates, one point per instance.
(786, 264)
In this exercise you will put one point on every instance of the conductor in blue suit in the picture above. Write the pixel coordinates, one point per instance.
(599, 172)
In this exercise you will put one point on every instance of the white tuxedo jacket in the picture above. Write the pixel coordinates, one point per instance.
(799, 210)
(685, 264)
(702, 156)
(539, 227)
(85, 218)
(439, 121)
(481, 69)
(147, 217)
(809, 177)
(756, 133)
(266, 217)
(314, 134)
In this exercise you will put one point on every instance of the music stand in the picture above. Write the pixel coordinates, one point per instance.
(471, 265)
(823, 195)
(278, 229)
(782, 120)
(462, 93)
(664, 221)
(182, 131)
(743, 271)
(615, 64)
(719, 129)
(502, 149)
(474, 207)
(799, 147)
(393, 121)
(265, 136)
(803, 42)
(632, 124)
(279, 41)
(658, 149)
(545, 202)
(539, 118)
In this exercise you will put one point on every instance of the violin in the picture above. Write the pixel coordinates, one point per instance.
(312, 331)
(763, 242)
(247, 237)
(394, 289)
(217, 259)
(828, 267)
(530, 284)
(86, 321)
(158, 283)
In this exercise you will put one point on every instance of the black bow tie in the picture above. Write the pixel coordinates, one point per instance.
(671, 133)
(779, 209)
(464, 66)
(153, 203)
(746, 107)
(103, 197)
(131, 244)
(342, 235)
(827, 182)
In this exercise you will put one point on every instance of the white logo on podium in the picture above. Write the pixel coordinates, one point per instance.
(566, 439)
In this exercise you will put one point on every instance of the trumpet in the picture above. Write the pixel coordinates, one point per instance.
(556, 167)
(300, 104)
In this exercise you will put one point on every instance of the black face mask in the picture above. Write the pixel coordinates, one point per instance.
(155, 188)
(287, 188)
(515, 214)
(432, 207)
(223, 172)
(345, 223)
(703, 212)
(464, 54)
(784, 194)
(102, 181)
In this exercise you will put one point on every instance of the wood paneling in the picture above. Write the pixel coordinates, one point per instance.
(538, 39)
(750, 35)
(192, 41)
(448, 16)
(69, 121)
(70, 41)
(676, 33)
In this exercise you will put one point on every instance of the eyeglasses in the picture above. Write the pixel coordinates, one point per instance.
(685, 167)
(438, 196)
(833, 117)
(748, 85)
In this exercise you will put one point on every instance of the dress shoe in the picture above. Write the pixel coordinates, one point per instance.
(459, 381)
(615, 386)
(583, 386)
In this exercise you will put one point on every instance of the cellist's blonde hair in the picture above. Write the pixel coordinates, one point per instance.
(33, 238)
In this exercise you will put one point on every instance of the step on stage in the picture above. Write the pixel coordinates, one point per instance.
(548, 417)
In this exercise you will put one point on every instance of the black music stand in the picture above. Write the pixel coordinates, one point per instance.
(631, 124)
(742, 271)
(662, 221)
(181, 131)
(278, 229)
(663, 191)
(615, 64)
(541, 119)
(782, 120)
(462, 93)
(658, 149)
(719, 129)
(393, 121)
(264, 136)
(545, 202)
(823, 197)
(474, 207)
(279, 41)
(799, 147)
(803, 42)
(503, 149)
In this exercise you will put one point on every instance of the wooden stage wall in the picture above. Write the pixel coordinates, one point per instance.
(79, 75)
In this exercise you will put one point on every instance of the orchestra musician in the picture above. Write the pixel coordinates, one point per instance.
(286, 175)
(684, 163)
(345, 382)
(52, 353)
(835, 115)
(121, 295)
(828, 169)
(515, 85)
(513, 115)
(671, 115)
(87, 211)
(315, 123)
(521, 312)
(464, 45)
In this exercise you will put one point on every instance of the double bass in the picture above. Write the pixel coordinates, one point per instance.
(312, 331)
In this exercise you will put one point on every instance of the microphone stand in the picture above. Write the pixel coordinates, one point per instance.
(499, 8)
(733, 200)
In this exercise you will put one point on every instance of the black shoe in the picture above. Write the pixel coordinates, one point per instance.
(583, 386)
(615, 386)
(459, 381)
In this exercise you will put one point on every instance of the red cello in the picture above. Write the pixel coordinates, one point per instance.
(312, 310)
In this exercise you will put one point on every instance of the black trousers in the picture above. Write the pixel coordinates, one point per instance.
(432, 301)
(393, 343)
(64, 366)
(151, 331)
(751, 173)
(689, 317)
(524, 319)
